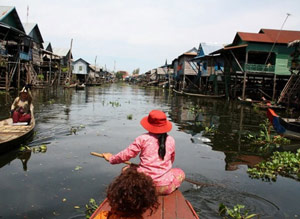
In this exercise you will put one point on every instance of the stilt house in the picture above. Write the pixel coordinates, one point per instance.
(259, 63)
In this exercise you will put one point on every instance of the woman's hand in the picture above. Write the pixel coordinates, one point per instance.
(107, 156)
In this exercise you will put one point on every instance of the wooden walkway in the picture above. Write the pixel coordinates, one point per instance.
(173, 206)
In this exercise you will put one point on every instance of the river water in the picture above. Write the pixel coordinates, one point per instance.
(59, 183)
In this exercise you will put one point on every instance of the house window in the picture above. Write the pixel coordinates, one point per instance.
(80, 68)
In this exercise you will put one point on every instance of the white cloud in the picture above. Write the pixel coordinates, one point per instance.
(144, 33)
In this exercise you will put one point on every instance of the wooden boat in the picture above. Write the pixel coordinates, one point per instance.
(13, 134)
(204, 95)
(80, 86)
(289, 128)
(170, 206)
(70, 86)
(262, 105)
(177, 92)
(247, 101)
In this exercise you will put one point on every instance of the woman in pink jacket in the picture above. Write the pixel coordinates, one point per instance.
(157, 153)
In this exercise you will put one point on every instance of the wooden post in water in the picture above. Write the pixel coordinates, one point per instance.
(70, 65)
(274, 87)
(245, 75)
(19, 74)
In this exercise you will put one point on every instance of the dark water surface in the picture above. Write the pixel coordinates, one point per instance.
(73, 123)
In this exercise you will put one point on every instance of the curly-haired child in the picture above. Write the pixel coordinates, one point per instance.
(130, 195)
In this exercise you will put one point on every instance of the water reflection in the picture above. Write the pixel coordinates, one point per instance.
(24, 157)
(74, 123)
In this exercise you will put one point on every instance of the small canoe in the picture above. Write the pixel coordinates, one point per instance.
(170, 206)
(12, 135)
(204, 95)
(268, 105)
(178, 92)
(289, 128)
(70, 86)
(80, 86)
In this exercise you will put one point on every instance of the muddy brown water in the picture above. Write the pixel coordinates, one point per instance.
(73, 123)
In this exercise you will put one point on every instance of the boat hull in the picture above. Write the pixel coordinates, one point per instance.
(12, 136)
(170, 206)
(288, 128)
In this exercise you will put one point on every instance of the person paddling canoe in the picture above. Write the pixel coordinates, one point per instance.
(21, 107)
(157, 153)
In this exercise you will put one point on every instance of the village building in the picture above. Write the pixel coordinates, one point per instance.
(210, 69)
(81, 69)
(14, 49)
(50, 64)
(64, 56)
(185, 73)
(259, 63)
(35, 76)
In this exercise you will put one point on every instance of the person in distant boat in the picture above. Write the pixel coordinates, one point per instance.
(20, 109)
(130, 195)
(157, 153)
(67, 82)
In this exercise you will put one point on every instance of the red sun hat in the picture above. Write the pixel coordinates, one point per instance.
(156, 122)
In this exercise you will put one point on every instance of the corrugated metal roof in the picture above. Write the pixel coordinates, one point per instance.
(5, 11)
(161, 71)
(47, 46)
(285, 36)
(30, 28)
(206, 48)
(61, 51)
(270, 36)
(255, 37)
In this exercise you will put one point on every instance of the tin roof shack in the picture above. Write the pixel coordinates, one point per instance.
(185, 72)
(93, 78)
(65, 56)
(35, 75)
(260, 61)
(50, 64)
(14, 49)
(81, 69)
(210, 69)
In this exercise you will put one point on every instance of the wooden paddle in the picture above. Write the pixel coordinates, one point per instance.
(186, 179)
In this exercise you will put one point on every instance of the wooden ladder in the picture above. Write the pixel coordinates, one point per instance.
(291, 88)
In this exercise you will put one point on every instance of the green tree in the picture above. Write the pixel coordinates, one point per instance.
(136, 71)
(119, 75)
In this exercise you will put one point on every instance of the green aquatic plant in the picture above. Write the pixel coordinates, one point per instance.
(265, 139)
(90, 208)
(195, 109)
(210, 129)
(235, 212)
(51, 101)
(35, 149)
(114, 103)
(280, 163)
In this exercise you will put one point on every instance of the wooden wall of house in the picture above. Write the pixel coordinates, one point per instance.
(80, 67)
(282, 55)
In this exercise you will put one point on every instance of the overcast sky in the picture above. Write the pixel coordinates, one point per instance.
(144, 33)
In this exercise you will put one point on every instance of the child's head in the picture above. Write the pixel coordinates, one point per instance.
(132, 193)
(156, 122)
